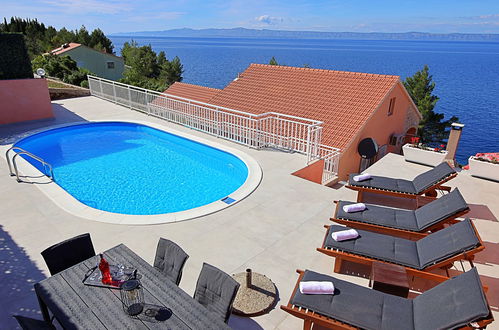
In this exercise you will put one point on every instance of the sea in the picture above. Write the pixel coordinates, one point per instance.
(466, 74)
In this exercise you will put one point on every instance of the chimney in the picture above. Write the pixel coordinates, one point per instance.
(453, 142)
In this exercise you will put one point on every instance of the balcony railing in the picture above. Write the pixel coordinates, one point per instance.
(270, 129)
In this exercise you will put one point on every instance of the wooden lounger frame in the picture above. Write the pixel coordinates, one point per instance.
(310, 317)
(428, 191)
(340, 256)
(408, 234)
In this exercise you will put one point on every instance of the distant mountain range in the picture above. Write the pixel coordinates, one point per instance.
(254, 33)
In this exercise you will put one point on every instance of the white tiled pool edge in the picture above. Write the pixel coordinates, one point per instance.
(71, 205)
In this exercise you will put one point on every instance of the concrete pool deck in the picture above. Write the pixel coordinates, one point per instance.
(273, 231)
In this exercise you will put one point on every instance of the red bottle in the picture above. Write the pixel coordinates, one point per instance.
(104, 269)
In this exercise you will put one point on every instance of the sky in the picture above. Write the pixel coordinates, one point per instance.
(437, 16)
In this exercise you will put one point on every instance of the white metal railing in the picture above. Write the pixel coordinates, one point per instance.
(331, 157)
(269, 129)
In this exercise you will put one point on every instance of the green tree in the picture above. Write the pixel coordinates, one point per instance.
(147, 69)
(99, 41)
(63, 68)
(273, 61)
(82, 36)
(40, 39)
(171, 71)
(432, 127)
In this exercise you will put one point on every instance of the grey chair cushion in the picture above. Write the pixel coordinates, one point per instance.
(431, 177)
(440, 209)
(357, 305)
(377, 246)
(216, 291)
(381, 215)
(446, 243)
(382, 182)
(452, 304)
(170, 259)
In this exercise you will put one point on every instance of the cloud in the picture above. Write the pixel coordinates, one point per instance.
(269, 20)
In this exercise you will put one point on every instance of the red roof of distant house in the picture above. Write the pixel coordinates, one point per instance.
(194, 92)
(65, 48)
(344, 101)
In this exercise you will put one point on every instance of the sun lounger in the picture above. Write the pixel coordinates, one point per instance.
(437, 250)
(454, 304)
(424, 183)
(405, 223)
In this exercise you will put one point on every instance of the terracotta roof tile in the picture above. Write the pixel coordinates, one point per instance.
(62, 49)
(194, 92)
(342, 100)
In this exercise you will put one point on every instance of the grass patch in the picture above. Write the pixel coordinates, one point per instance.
(55, 84)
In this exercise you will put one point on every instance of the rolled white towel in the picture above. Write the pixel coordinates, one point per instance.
(350, 208)
(362, 177)
(343, 235)
(316, 287)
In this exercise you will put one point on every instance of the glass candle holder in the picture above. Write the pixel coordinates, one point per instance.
(132, 297)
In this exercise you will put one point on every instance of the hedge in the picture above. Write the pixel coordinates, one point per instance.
(14, 59)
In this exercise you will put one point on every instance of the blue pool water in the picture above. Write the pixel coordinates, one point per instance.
(135, 169)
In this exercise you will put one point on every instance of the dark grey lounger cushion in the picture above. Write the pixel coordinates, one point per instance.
(449, 305)
(446, 243)
(452, 304)
(431, 177)
(440, 209)
(434, 248)
(419, 220)
(381, 216)
(416, 186)
(383, 247)
(357, 305)
(382, 182)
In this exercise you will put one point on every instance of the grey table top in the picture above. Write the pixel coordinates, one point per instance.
(79, 306)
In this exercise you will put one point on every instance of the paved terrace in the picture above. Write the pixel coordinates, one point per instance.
(273, 231)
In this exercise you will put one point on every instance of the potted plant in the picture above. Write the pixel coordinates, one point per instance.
(484, 166)
(423, 154)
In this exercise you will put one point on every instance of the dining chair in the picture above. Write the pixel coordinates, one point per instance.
(27, 323)
(68, 253)
(170, 260)
(216, 290)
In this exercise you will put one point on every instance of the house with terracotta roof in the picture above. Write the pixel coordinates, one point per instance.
(102, 64)
(351, 106)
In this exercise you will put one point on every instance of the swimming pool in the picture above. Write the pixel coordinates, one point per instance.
(134, 169)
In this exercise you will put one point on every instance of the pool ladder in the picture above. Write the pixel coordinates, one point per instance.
(19, 151)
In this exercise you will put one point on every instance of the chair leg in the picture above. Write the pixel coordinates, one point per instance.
(307, 325)
(337, 264)
(45, 311)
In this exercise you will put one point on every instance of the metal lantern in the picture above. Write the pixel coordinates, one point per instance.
(132, 297)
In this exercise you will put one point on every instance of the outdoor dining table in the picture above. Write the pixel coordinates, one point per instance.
(79, 306)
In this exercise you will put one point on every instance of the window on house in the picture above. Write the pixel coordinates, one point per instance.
(110, 65)
(391, 106)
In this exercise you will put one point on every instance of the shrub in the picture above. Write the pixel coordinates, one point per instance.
(14, 60)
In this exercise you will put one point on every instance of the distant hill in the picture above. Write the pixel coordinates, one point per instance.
(253, 33)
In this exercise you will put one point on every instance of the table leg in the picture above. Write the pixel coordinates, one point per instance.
(44, 309)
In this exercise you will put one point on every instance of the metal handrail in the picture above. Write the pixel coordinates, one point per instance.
(21, 151)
